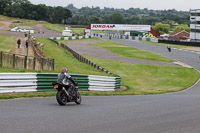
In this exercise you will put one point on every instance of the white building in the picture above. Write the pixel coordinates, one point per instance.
(23, 29)
(195, 25)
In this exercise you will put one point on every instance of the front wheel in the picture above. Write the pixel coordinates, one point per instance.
(61, 98)
(78, 98)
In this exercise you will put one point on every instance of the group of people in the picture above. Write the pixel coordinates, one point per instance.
(19, 43)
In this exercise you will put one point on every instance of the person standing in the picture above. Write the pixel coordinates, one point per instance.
(18, 43)
(26, 43)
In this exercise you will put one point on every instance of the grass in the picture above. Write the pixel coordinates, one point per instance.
(150, 79)
(26, 95)
(1, 24)
(7, 43)
(78, 30)
(138, 79)
(26, 22)
(64, 59)
(46, 25)
(130, 51)
(172, 45)
(54, 27)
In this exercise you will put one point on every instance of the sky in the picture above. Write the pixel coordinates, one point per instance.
(180, 5)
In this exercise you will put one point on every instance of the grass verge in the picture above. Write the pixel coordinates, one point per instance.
(130, 51)
(26, 95)
(78, 30)
(150, 79)
(54, 27)
(64, 59)
(7, 43)
(26, 22)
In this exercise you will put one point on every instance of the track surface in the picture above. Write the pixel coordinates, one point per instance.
(166, 113)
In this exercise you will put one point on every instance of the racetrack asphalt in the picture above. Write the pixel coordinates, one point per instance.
(165, 113)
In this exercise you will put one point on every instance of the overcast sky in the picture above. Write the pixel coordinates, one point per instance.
(184, 5)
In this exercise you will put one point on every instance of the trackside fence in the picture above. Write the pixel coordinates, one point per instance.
(42, 82)
(118, 36)
(17, 61)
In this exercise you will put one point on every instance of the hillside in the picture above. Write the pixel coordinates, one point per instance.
(87, 15)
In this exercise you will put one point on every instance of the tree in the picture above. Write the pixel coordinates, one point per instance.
(182, 27)
(162, 28)
(95, 20)
(117, 18)
(3, 5)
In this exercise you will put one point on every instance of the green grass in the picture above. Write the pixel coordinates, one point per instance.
(26, 95)
(46, 25)
(64, 59)
(26, 22)
(130, 51)
(7, 43)
(54, 27)
(1, 24)
(78, 30)
(150, 79)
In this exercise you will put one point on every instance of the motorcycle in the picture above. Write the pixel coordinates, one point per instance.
(64, 95)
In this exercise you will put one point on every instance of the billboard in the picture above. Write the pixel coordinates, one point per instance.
(120, 27)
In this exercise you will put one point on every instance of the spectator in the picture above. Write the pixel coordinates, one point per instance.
(18, 43)
(26, 43)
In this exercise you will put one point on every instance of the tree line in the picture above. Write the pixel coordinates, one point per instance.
(162, 21)
(27, 10)
(87, 15)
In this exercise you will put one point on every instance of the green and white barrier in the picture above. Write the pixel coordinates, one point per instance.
(70, 38)
(38, 82)
(133, 37)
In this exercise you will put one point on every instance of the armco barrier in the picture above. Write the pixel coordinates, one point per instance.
(37, 82)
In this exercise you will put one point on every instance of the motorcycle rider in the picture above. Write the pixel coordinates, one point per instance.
(63, 78)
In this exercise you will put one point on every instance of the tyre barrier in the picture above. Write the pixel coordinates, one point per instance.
(42, 82)
(70, 38)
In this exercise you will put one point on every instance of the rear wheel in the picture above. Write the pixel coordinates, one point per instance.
(61, 98)
(78, 98)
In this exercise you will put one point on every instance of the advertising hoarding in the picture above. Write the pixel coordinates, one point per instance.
(120, 27)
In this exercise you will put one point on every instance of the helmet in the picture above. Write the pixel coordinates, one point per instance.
(63, 70)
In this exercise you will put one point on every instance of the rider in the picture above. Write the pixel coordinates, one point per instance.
(63, 78)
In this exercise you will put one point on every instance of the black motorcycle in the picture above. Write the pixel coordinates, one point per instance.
(65, 95)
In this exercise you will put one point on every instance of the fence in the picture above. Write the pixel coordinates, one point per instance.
(70, 38)
(17, 61)
(118, 36)
(42, 82)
